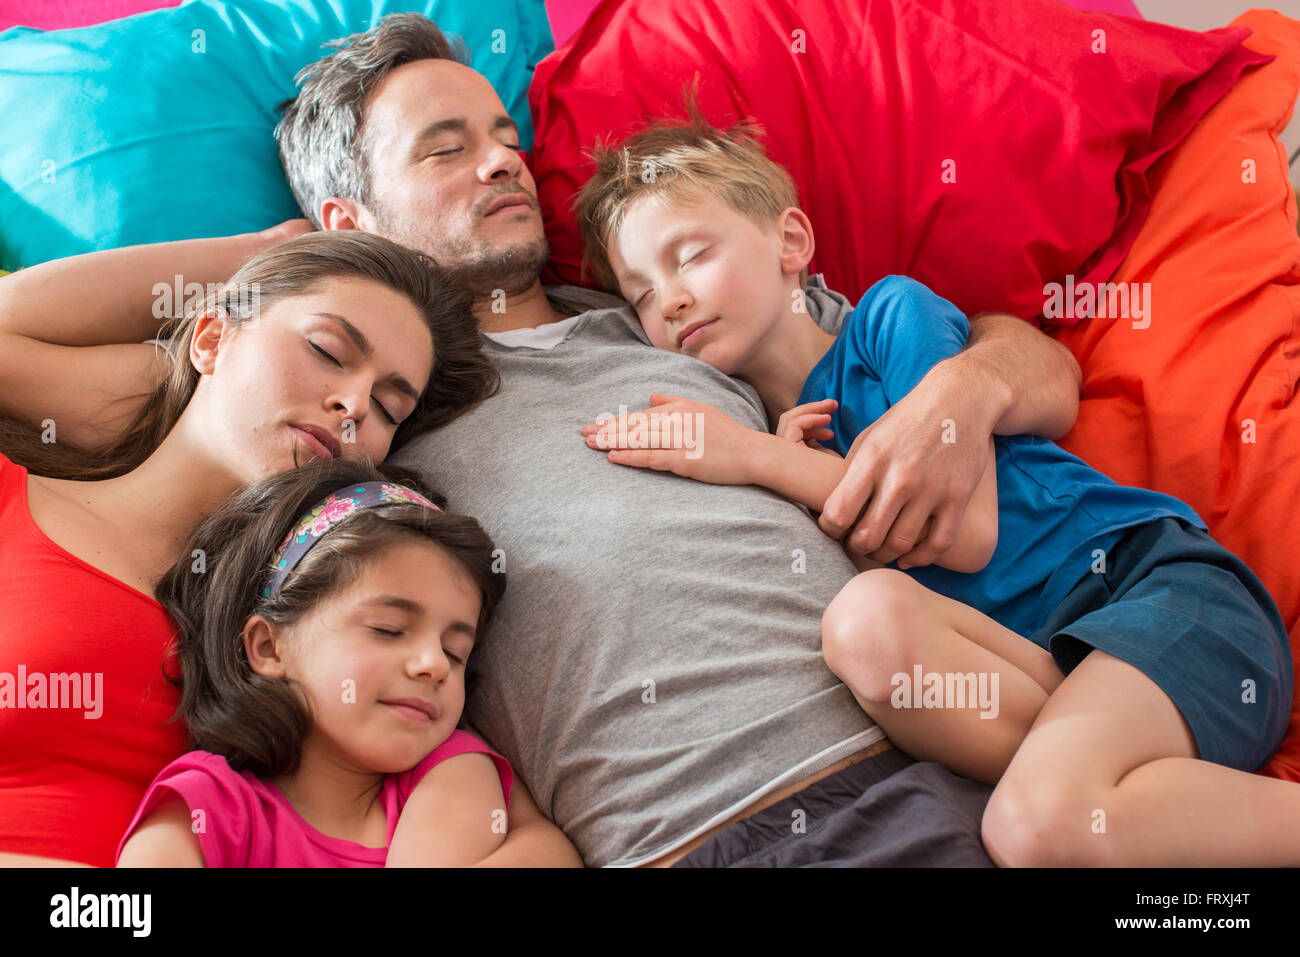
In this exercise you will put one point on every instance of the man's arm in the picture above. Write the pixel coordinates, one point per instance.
(1038, 378)
(922, 460)
(70, 329)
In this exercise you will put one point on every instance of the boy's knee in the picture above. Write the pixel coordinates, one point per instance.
(1042, 824)
(867, 629)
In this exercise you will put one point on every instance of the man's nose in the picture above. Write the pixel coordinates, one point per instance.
(499, 162)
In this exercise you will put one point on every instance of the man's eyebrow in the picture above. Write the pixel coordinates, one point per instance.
(397, 380)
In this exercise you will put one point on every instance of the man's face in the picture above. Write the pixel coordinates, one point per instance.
(446, 177)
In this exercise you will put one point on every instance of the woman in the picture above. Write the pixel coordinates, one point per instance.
(328, 345)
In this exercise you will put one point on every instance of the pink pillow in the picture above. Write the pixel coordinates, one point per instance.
(984, 149)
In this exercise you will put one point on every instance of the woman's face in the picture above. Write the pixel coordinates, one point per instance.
(329, 374)
(382, 660)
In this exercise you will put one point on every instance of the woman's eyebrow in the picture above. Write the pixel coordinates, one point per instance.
(397, 380)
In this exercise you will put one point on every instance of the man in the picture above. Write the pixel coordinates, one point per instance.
(655, 671)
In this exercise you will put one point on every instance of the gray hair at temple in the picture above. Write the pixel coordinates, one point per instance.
(322, 134)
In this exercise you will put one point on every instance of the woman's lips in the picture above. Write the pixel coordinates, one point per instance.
(314, 444)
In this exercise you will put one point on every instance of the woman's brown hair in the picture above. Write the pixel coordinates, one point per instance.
(462, 375)
(258, 724)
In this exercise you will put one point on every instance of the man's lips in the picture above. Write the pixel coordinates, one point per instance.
(319, 441)
(689, 331)
(417, 709)
(513, 203)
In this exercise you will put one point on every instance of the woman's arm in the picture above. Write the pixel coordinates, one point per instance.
(70, 329)
(163, 839)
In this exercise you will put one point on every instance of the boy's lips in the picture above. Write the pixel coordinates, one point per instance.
(690, 333)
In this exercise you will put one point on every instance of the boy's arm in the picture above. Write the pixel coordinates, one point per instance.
(809, 476)
(908, 485)
(71, 329)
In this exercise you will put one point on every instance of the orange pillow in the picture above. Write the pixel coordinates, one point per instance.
(1198, 403)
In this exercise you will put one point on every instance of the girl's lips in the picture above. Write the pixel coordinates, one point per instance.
(414, 714)
(313, 443)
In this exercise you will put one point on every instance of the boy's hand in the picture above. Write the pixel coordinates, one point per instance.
(691, 439)
(807, 422)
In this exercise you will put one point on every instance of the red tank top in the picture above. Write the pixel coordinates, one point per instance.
(84, 706)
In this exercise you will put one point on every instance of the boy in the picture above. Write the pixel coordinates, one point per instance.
(702, 234)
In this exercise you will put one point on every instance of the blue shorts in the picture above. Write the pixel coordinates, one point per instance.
(1193, 618)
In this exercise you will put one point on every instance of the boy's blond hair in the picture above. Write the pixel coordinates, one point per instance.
(679, 160)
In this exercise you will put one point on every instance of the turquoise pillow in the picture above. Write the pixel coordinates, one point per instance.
(159, 126)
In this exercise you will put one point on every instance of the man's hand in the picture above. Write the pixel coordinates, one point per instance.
(912, 472)
(691, 439)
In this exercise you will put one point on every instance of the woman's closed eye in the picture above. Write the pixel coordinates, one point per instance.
(336, 362)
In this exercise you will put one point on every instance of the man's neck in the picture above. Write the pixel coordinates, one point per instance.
(526, 310)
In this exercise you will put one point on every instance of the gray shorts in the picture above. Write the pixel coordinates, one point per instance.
(885, 811)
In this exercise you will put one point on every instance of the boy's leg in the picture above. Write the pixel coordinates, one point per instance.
(1108, 775)
(883, 625)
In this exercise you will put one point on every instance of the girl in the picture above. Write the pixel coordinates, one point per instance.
(322, 653)
(350, 346)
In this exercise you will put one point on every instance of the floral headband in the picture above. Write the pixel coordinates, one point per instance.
(329, 513)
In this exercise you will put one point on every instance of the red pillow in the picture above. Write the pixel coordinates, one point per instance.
(876, 106)
(1197, 399)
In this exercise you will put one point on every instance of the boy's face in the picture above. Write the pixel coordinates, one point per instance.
(704, 279)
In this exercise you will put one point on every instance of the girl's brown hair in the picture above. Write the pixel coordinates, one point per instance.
(462, 375)
(258, 724)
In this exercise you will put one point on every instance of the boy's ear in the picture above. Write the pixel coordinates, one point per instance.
(262, 649)
(797, 244)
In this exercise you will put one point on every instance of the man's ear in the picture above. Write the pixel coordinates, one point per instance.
(210, 331)
(340, 213)
(262, 648)
(796, 233)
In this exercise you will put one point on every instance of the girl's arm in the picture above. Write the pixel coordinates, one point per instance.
(455, 817)
(533, 840)
(164, 839)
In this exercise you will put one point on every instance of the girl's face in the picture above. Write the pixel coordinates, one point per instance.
(329, 374)
(382, 660)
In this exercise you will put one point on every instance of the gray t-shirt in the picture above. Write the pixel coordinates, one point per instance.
(656, 664)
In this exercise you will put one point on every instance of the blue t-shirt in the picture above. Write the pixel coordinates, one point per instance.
(1054, 511)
